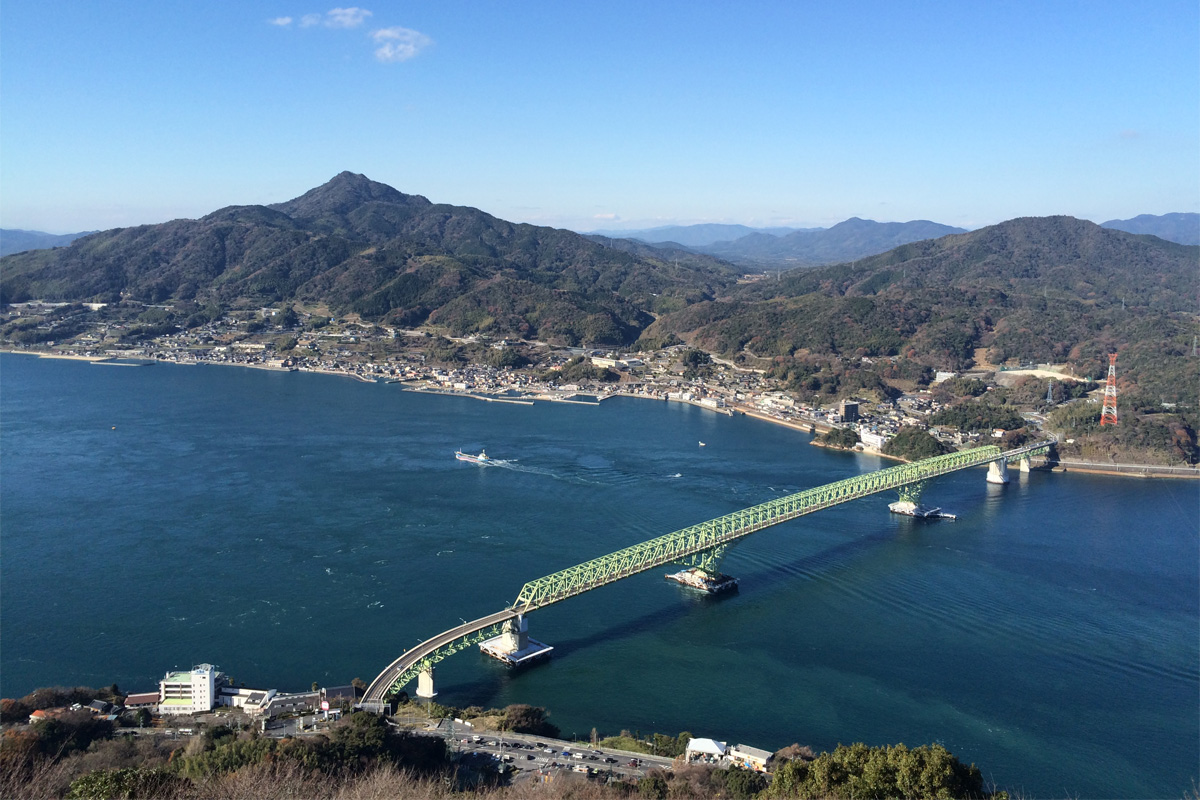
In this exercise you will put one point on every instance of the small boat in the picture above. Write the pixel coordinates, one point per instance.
(482, 458)
(702, 444)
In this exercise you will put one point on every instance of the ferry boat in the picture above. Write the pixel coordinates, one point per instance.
(702, 581)
(482, 458)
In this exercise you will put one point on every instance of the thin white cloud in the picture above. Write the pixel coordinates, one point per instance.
(399, 44)
(308, 20)
(282, 22)
(346, 17)
(606, 216)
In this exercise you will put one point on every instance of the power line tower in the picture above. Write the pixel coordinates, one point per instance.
(1108, 413)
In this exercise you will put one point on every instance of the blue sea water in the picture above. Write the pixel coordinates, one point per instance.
(294, 527)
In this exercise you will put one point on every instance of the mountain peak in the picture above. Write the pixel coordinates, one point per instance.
(342, 194)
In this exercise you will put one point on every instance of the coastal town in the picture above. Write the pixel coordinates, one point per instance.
(476, 366)
(190, 702)
(528, 371)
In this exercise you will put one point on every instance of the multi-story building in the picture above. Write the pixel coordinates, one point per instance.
(187, 692)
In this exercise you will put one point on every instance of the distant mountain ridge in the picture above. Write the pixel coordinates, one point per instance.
(1180, 228)
(847, 241)
(694, 235)
(358, 246)
(15, 240)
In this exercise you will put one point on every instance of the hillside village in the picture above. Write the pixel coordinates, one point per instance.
(515, 370)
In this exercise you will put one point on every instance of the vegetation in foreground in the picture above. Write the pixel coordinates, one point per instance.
(363, 757)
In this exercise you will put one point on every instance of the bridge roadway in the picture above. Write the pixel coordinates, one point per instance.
(465, 634)
(686, 546)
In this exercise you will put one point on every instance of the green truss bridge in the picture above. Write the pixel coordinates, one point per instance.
(700, 545)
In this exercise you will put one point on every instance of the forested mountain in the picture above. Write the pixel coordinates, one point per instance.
(855, 238)
(357, 246)
(1043, 289)
(1179, 228)
(15, 240)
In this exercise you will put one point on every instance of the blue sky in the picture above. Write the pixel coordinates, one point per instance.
(603, 114)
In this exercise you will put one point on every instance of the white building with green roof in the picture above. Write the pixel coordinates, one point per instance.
(186, 692)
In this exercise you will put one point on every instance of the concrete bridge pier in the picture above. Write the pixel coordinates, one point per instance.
(1024, 463)
(513, 646)
(425, 685)
(998, 472)
(514, 636)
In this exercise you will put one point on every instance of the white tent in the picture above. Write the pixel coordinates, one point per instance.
(706, 747)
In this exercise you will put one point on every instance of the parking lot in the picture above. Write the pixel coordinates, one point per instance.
(529, 753)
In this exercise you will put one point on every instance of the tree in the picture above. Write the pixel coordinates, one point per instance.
(929, 771)
(287, 319)
(914, 444)
(696, 363)
(103, 784)
(521, 718)
(653, 786)
(743, 784)
(841, 437)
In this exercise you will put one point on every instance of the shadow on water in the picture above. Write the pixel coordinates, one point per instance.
(806, 567)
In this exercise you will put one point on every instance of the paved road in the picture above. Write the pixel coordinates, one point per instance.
(377, 691)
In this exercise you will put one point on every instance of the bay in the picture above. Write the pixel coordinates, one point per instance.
(293, 528)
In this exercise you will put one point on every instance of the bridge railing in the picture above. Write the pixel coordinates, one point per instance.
(715, 532)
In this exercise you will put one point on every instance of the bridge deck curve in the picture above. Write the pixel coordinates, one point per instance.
(380, 687)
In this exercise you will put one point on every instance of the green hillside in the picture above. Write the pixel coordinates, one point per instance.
(1031, 290)
(357, 246)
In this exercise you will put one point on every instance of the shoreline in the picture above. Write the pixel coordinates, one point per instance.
(813, 427)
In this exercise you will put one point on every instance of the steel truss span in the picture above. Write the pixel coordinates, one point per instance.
(689, 545)
(696, 539)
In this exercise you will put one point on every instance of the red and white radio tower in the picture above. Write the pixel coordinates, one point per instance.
(1108, 413)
